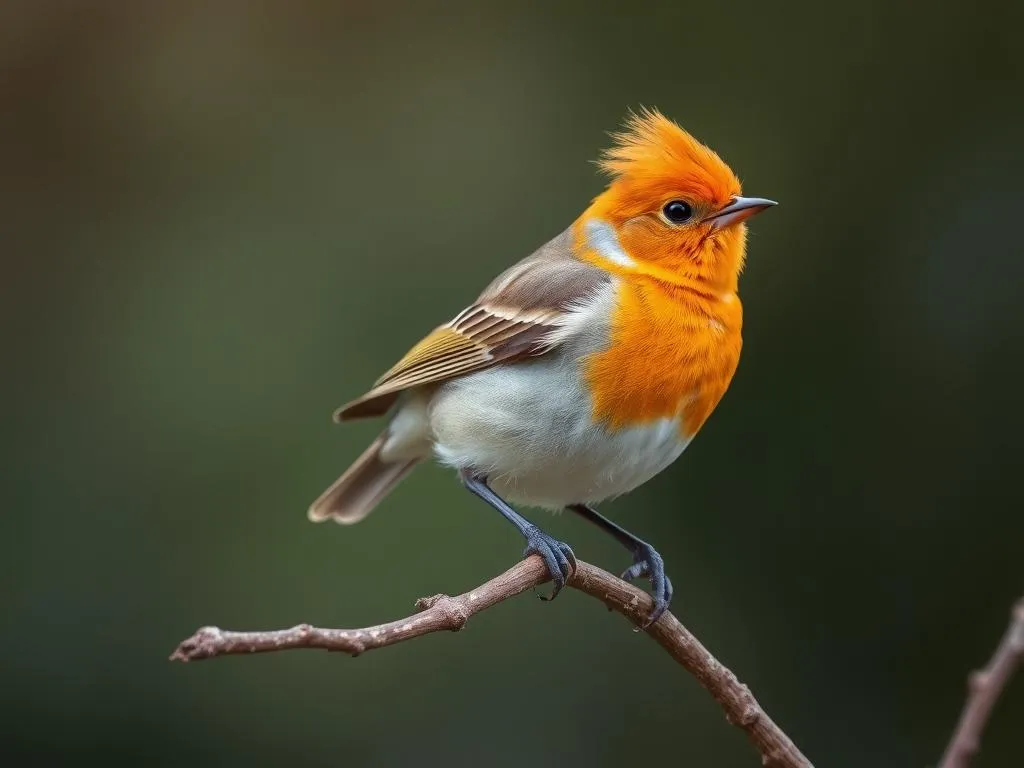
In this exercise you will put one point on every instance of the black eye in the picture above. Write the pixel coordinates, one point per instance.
(677, 211)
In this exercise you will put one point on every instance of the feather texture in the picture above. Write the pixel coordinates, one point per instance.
(518, 315)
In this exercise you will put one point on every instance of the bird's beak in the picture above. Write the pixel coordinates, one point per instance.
(738, 210)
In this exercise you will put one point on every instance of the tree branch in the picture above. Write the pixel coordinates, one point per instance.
(985, 686)
(442, 612)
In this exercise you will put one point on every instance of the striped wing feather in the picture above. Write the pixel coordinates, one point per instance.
(515, 317)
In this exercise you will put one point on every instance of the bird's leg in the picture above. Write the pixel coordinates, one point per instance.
(557, 556)
(646, 560)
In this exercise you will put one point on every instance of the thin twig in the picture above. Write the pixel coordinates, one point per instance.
(442, 612)
(985, 686)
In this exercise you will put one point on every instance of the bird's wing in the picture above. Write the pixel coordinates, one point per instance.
(517, 316)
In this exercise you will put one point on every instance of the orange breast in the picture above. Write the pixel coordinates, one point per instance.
(673, 352)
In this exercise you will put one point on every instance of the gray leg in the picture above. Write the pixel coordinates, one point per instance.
(557, 556)
(646, 560)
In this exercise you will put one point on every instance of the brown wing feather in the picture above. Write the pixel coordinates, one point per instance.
(513, 318)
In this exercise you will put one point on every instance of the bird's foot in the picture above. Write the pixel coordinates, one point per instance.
(648, 563)
(557, 556)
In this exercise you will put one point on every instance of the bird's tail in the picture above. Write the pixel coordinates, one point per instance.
(363, 485)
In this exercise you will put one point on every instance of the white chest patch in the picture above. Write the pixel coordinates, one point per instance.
(528, 427)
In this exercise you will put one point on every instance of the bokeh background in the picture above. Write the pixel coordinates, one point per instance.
(219, 221)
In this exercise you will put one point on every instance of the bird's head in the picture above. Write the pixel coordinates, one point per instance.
(673, 209)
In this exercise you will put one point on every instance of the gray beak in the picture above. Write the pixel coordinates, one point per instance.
(740, 209)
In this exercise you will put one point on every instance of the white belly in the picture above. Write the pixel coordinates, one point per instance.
(527, 428)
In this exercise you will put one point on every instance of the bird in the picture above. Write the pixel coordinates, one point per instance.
(585, 369)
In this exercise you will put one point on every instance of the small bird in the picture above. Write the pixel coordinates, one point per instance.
(585, 369)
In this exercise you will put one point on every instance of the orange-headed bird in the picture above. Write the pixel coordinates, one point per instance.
(586, 368)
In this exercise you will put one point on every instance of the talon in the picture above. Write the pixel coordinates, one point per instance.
(648, 563)
(557, 556)
(571, 557)
(635, 571)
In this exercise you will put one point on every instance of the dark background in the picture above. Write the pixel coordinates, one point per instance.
(219, 221)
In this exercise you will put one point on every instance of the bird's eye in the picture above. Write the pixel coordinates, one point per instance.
(677, 211)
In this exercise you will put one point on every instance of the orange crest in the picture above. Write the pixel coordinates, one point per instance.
(655, 156)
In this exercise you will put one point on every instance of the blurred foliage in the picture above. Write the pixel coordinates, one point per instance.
(221, 220)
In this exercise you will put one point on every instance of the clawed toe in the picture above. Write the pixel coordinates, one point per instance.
(557, 556)
(648, 563)
(635, 571)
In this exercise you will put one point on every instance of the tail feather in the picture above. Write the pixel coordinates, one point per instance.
(363, 485)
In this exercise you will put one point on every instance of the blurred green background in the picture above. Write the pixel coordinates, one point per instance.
(221, 220)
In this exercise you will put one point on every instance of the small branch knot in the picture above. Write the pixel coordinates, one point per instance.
(426, 603)
(749, 711)
(452, 610)
(751, 714)
(455, 613)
